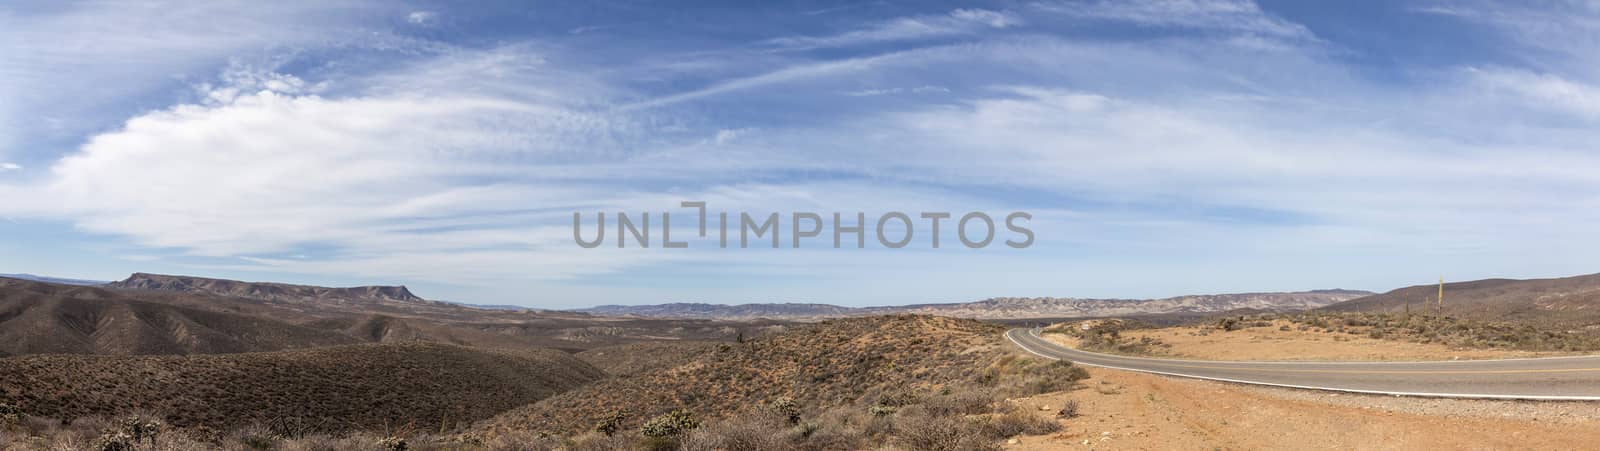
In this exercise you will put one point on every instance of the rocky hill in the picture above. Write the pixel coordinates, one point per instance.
(824, 364)
(47, 318)
(326, 389)
(265, 291)
(41, 318)
(1569, 302)
(1003, 308)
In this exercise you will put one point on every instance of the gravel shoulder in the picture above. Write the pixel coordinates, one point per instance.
(1126, 410)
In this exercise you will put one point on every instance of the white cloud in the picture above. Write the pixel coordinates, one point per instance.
(10, 166)
(423, 18)
(803, 72)
(1229, 15)
(462, 167)
(956, 22)
(1562, 36)
(892, 91)
(387, 182)
(1542, 91)
(81, 61)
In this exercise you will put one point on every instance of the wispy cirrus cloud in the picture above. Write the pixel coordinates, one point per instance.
(1222, 156)
(74, 62)
(956, 22)
(1541, 91)
(1242, 16)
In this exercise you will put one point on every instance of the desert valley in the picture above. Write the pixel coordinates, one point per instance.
(164, 362)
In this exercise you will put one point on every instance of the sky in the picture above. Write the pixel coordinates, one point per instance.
(1161, 148)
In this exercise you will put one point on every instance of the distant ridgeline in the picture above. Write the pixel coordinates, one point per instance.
(264, 291)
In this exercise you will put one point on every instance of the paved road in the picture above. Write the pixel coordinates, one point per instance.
(1560, 378)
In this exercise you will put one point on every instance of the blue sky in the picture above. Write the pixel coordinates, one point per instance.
(1163, 147)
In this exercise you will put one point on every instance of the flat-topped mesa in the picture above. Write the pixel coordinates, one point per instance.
(263, 290)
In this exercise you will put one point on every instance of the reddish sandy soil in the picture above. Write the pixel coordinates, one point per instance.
(1125, 410)
(1270, 343)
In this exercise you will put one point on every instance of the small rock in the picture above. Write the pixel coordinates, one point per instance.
(1011, 442)
(1043, 408)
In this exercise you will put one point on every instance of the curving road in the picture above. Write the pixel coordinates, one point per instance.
(1558, 378)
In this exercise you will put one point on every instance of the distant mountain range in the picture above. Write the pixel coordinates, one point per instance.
(152, 314)
(999, 308)
(59, 280)
(264, 291)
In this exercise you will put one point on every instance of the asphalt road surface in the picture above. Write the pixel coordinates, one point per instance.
(1557, 378)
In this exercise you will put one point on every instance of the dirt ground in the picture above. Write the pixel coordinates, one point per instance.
(1270, 343)
(1126, 410)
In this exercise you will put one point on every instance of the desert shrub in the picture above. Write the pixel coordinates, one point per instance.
(611, 423)
(750, 433)
(255, 437)
(129, 434)
(326, 442)
(670, 424)
(1106, 336)
(786, 408)
(115, 441)
(585, 442)
(891, 401)
(1019, 422)
(289, 427)
(394, 444)
(965, 402)
(10, 415)
(1229, 324)
(840, 428)
(1054, 376)
(1068, 410)
(928, 433)
(258, 442)
(832, 439)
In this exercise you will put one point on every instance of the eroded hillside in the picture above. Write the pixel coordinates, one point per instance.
(825, 364)
(331, 389)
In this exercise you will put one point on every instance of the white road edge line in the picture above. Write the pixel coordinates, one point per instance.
(1307, 387)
